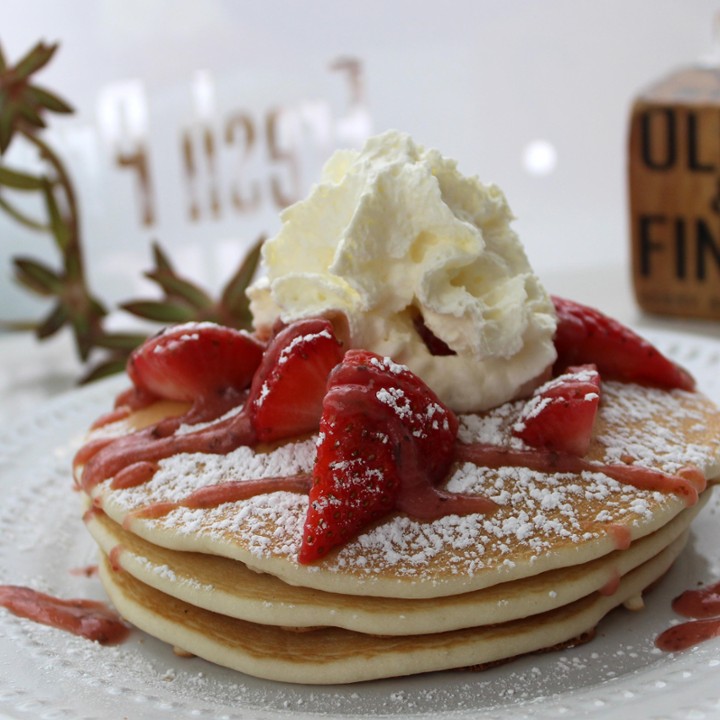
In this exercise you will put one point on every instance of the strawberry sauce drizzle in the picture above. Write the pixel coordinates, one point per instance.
(704, 606)
(106, 458)
(114, 558)
(87, 618)
(702, 603)
(228, 492)
(88, 571)
(611, 586)
(621, 534)
(422, 500)
(688, 634)
(687, 483)
(133, 475)
(418, 497)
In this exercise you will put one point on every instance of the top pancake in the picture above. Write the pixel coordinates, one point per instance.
(544, 520)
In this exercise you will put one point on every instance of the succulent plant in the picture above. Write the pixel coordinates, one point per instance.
(24, 107)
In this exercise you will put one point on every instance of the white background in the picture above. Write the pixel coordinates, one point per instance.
(485, 81)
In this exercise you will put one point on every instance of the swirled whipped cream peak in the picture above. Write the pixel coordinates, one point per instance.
(422, 263)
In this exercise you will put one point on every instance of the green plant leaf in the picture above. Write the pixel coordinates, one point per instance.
(32, 116)
(111, 366)
(97, 309)
(18, 325)
(120, 341)
(234, 299)
(53, 322)
(159, 311)
(7, 116)
(37, 276)
(36, 58)
(174, 286)
(20, 180)
(58, 226)
(3, 62)
(178, 288)
(83, 338)
(23, 219)
(162, 261)
(44, 98)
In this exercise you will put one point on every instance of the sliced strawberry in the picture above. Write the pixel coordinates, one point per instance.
(287, 391)
(385, 440)
(432, 425)
(561, 413)
(356, 480)
(195, 362)
(585, 335)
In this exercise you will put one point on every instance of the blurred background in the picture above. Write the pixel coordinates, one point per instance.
(197, 121)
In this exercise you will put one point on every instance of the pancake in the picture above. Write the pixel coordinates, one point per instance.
(333, 655)
(545, 521)
(229, 588)
(419, 457)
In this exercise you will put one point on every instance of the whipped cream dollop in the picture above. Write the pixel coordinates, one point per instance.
(395, 238)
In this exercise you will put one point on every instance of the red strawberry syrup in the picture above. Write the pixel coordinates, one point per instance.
(688, 634)
(702, 603)
(621, 534)
(88, 571)
(108, 458)
(704, 606)
(611, 586)
(216, 495)
(687, 483)
(87, 618)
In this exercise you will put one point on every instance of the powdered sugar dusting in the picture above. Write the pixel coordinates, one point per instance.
(293, 346)
(180, 475)
(387, 364)
(186, 332)
(539, 514)
(269, 524)
(656, 430)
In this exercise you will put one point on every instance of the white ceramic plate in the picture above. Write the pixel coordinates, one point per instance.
(45, 673)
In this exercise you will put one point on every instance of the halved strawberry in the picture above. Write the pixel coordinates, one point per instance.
(287, 391)
(431, 424)
(195, 361)
(585, 335)
(356, 479)
(561, 413)
(385, 440)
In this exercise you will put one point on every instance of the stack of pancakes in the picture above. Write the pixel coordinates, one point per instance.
(406, 596)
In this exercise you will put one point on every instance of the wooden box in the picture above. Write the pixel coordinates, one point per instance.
(674, 195)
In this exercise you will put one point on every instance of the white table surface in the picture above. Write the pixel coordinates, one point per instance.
(32, 372)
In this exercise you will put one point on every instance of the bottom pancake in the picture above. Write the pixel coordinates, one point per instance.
(333, 655)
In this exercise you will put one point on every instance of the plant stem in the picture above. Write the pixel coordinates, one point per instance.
(66, 184)
(85, 312)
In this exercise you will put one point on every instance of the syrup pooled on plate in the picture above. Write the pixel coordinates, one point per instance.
(88, 618)
(703, 605)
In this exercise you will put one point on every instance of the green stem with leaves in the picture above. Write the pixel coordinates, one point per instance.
(22, 109)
